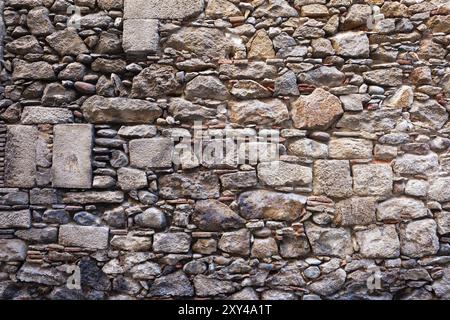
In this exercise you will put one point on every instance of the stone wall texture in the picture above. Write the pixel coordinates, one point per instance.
(97, 96)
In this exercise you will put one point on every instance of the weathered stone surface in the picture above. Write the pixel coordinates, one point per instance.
(72, 161)
(262, 204)
(260, 46)
(155, 81)
(20, 167)
(373, 179)
(384, 77)
(419, 238)
(401, 209)
(262, 112)
(151, 218)
(173, 285)
(12, 250)
(351, 44)
(411, 164)
(130, 243)
(429, 114)
(324, 76)
(140, 36)
(294, 247)
(281, 173)
(212, 215)
(38, 21)
(84, 237)
(90, 197)
(379, 242)
(197, 185)
(171, 242)
(170, 9)
(98, 109)
(15, 219)
(443, 222)
(151, 153)
(329, 284)
(439, 190)
(221, 8)
(329, 241)
(186, 111)
(205, 286)
(332, 178)
(36, 274)
(35, 235)
(275, 9)
(350, 148)
(356, 211)
(42, 115)
(239, 180)
(32, 70)
(320, 110)
(249, 89)
(206, 87)
(202, 42)
(264, 248)
(255, 70)
(235, 242)
(131, 179)
(308, 148)
(67, 42)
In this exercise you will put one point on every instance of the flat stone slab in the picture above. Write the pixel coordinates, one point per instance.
(167, 9)
(83, 236)
(20, 167)
(15, 219)
(89, 197)
(140, 36)
(72, 152)
(151, 153)
(40, 115)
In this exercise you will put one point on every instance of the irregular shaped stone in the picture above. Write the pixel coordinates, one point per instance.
(351, 44)
(12, 250)
(98, 109)
(260, 46)
(235, 242)
(308, 148)
(72, 161)
(20, 158)
(320, 110)
(90, 197)
(335, 242)
(217, 9)
(279, 173)
(419, 238)
(84, 237)
(213, 215)
(206, 87)
(275, 9)
(439, 190)
(379, 242)
(206, 286)
(332, 178)
(140, 36)
(412, 164)
(443, 222)
(401, 209)
(24, 45)
(239, 180)
(330, 283)
(286, 85)
(294, 247)
(391, 77)
(37, 274)
(151, 153)
(155, 81)
(38, 21)
(373, 179)
(185, 110)
(201, 42)
(131, 243)
(255, 70)
(131, 179)
(264, 248)
(42, 115)
(67, 42)
(196, 185)
(263, 204)
(32, 70)
(15, 219)
(324, 76)
(402, 98)
(356, 211)
(371, 121)
(175, 284)
(171, 242)
(429, 114)
(351, 148)
(35, 235)
(151, 218)
(261, 112)
(249, 89)
(439, 23)
(155, 9)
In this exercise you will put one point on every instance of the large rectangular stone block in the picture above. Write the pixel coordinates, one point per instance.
(151, 153)
(84, 237)
(20, 167)
(12, 250)
(38, 115)
(89, 197)
(166, 9)
(140, 36)
(15, 219)
(72, 149)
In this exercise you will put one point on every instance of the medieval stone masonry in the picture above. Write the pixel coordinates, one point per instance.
(315, 144)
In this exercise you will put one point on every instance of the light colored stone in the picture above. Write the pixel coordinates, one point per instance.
(12, 250)
(15, 219)
(72, 153)
(196, 185)
(332, 178)
(443, 222)
(131, 179)
(171, 242)
(90, 197)
(419, 238)
(350, 148)
(260, 46)
(140, 36)
(42, 115)
(279, 173)
(329, 241)
(261, 112)
(379, 242)
(356, 211)
(411, 164)
(351, 44)
(236, 242)
(151, 153)
(206, 87)
(402, 208)
(84, 237)
(308, 148)
(156, 9)
(440, 190)
(131, 243)
(373, 179)
(264, 248)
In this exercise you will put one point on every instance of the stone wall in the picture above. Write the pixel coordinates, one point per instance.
(353, 93)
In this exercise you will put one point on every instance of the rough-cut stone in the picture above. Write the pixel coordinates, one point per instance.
(443, 222)
(236, 242)
(140, 36)
(12, 250)
(151, 218)
(379, 242)
(67, 42)
(186, 111)
(206, 286)
(98, 109)
(350, 148)
(411, 164)
(32, 70)
(261, 112)
(221, 8)
(308, 148)
(275, 9)
(373, 179)
(131, 179)
(38, 21)
(384, 77)
(20, 167)
(260, 46)
(329, 284)
(351, 44)
(196, 185)
(151, 153)
(169, 9)
(15, 219)
(279, 173)
(131, 243)
(320, 110)
(419, 238)
(84, 237)
(171, 242)
(294, 247)
(72, 161)
(90, 197)
(429, 114)
(264, 248)
(41, 275)
(332, 178)
(212, 215)
(356, 211)
(263, 204)
(173, 285)
(42, 115)
(155, 81)
(249, 89)
(329, 241)
(255, 70)
(206, 87)
(239, 180)
(439, 190)
(401, 209)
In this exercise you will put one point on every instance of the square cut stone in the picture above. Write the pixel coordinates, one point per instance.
(151, 153)
(373, 179)
(162, 9)
(72, 149)
(83, 236)
(140, 36)
(20, 167)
